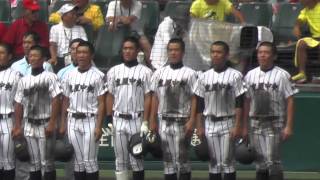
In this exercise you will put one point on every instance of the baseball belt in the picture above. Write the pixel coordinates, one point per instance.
(82, 115)
(170, 118)
(264, 118)
(38, 122)
(221, 118)
(5, 116)
(128, 116)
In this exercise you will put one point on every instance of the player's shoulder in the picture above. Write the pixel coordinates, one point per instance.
(97, 71)
(253, 71)
(282, 72)
(234, 71)
(48, 74)
(144, 68)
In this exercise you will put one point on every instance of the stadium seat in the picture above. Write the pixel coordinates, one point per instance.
(256, 13)
(108, 45)
(5, 14)
(172, 5)
(43, 13)
(284, 22)
(150, 17)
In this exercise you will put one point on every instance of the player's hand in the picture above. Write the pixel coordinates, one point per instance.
(62, 131)
(49, 130)
(153, 126)
(200, 131)
(235, 132)
(144, 129)
(188, 128)
(53, 61)
(16, 132)
(244, 134)
(286, 133)
(97, 133)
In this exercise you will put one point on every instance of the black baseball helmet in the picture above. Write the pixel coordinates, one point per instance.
(137, 146)
(21, 149)
(63, 150)
(245, 153)
(200, 146)
(153, 144)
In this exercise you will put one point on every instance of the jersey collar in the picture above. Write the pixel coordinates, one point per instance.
(131, 63)
(37, 71)
(177, 65)
(2, 68)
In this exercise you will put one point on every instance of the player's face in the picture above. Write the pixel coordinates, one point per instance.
(4, 56)
(35, 59)
(73, 52)
(129, 51)
(218, 55)
(175, 53)
(265, 57)
(84, 57)
(27, 43)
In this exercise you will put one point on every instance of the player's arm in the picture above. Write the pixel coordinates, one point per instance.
(191, 122)
(237, 14)
(109, 106)
(64, 114)
(153, 113)
(245, 116)
(55, 108)
(18, 115)
(288, 130)
(236, 132)
(146, 113)
(100, 117)
(199, 115)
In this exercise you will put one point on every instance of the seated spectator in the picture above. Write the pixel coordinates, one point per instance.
(29, 39)
(214, 9)
(172, 26)
(28, 22)
(309, 16)
(3, 30)
(127, 13)
(87, 14)
(62, 34)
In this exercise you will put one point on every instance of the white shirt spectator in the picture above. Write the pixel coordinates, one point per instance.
(114, 9)
(62, 36)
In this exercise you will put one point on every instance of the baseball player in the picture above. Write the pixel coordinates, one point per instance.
(129, 100)
(38, 96)
(8, 84)
(220, 92)
(174, 103)
(83, 111)
(269, 106)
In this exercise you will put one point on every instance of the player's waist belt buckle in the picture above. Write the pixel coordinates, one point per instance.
(38, 122)
(127, 116)
(82, 115)
(4, 116)
(221, 118)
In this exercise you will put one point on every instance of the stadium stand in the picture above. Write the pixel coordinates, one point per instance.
(5, 13)
(43, 13)
(172, 5)
(150, 17)
(256, 13)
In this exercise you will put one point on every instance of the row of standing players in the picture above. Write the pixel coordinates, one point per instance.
(172, 101)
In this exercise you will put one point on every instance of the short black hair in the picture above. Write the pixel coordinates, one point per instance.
(39, 49)
(223, 44)
(269, 44)
(77, 40)
(133, 40)
(35, 36)
(88, 45)
(7, 47)
(178, 41)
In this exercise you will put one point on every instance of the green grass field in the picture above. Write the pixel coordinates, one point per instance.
(203, 175)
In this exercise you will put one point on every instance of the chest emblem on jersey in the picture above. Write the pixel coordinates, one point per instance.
(131, 81)
(171, 83)
(6, 86)
(217, 87)
(38, 88)
(264, 86)
(81, 87)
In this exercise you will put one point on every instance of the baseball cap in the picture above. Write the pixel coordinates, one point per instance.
(66, 8)
(31, 5)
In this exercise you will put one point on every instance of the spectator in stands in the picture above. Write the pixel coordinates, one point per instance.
(3, 30)
(309, 16)
(29, 22)
(29, 39)
(214, 9)
(62, 34)
(172, 26)
(127, 13)
(87, 14)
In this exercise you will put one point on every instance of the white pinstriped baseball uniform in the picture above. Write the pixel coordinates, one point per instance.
(268, 92)
(128, 85)
(219, 90)
(83, 90)
(8, 85)
(173, 87)
(35, 94)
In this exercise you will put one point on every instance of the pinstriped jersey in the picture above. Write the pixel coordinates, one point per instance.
(173, 88)
(36, 92)
(8, 85)
(219, 90)
(83, 90)
(268, 91)
(128, 86)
